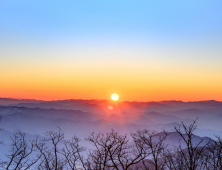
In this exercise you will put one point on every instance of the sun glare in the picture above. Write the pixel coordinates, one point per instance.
(115, 97)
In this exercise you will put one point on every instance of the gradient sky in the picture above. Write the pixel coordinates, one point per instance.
(88, 49)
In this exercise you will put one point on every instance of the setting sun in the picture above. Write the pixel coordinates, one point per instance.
(115, 97)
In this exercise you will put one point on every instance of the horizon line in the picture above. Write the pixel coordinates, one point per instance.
(110, 100)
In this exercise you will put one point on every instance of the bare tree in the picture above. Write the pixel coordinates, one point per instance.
(212, 155)
(173, 160)
(22, 154)
(72, 152)
(51, 158)
(114, 151)
(192, 154)
(153, 143)
(145, 150)
(215, 151)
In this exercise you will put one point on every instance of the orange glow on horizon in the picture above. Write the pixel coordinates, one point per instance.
(137, 84)
(95, 71)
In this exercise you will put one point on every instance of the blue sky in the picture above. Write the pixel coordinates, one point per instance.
(127, 20)
(177, 39)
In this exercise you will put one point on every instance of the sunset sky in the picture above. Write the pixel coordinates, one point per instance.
(143, 50)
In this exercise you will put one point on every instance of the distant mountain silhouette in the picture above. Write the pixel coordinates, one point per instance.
(76, 116)
(174, 139)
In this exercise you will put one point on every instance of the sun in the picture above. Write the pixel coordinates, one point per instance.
(115, 97)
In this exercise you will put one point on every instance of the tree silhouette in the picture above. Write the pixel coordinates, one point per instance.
(22, 154)
(142, 150)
